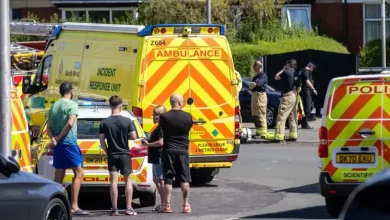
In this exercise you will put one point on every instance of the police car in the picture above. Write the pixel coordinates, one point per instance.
(96, 176)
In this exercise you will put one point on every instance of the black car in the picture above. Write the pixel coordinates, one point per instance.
(273, 97)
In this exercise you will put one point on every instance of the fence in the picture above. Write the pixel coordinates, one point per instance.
(330, 65)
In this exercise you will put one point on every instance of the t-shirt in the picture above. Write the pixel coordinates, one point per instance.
(288, 81)
(59, 115)
(154, 153)
(176, 126)
(306, 75)
(261, 80)
(116, 129)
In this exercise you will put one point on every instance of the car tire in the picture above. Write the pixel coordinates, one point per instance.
(334, 205)
(271, 113)
(202, 175)
(56, 209)
(147, 199)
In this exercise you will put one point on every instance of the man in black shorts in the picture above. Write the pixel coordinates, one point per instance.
(176, 126)
(118, 130)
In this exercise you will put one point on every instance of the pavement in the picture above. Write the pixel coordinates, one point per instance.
(304, 135)
(268, 181)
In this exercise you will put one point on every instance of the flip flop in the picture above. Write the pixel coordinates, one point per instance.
(80, 212)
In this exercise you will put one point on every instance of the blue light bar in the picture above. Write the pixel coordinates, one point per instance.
(97, 104)
(148, 30)
(54, 35)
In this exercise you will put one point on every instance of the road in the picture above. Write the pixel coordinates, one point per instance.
(268, 181)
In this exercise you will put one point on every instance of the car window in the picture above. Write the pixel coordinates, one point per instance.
(89, 128)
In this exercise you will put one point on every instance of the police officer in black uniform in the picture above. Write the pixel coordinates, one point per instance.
(307, 92)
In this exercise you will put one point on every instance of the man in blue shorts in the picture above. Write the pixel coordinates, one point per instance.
(62, 130)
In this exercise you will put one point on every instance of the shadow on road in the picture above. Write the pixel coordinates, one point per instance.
(315, 212)
(307, 189)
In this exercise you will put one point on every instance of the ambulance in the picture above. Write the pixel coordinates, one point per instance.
(20, 144)
(145, 66)
(355, 135)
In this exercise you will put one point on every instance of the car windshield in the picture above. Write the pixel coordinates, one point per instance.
(88, 128)
(246, 81)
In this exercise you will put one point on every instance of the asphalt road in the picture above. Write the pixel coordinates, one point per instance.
(268, 181)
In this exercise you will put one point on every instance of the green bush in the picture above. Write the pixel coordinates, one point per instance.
(371, 53)
(245, 54)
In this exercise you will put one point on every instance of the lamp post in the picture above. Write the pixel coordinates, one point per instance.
(383, 33)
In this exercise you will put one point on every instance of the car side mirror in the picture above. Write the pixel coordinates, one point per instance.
(147, 136)
(27, 87)
(370, 200)
(8, 167)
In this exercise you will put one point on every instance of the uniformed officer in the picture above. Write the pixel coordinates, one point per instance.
(306, 94)
(259, 99)
(288, 107)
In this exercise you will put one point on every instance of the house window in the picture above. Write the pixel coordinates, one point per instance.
(373, 24)
(97, 15)
(296, 14)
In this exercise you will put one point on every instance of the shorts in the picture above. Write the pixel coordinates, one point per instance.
(158, 170)
(120, 163)
(176, 166)
(67, 156)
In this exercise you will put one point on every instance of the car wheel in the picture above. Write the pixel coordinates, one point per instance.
(56, 210)
(334, 205)
(147, 199)
(271, 117)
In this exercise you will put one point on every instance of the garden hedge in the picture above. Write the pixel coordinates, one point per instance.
(371, 53)
(245, 54)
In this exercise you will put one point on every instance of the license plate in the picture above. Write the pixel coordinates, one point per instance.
(360, 158)
(95, 159)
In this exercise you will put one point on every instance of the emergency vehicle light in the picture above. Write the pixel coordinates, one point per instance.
(182, 29)
(98, 104)
(74, 26)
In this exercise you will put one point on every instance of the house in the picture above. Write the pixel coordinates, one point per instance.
(94, 10)
(352, 22)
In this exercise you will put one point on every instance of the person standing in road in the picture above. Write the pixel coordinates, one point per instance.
(118, 129)
(259, 100)
(62, 130)
(176, 125)
(155, 145)
(306, 94)
(289, 102)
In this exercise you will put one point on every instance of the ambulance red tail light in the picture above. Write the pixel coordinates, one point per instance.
(324, 143)
(210, 30)
(49, 150)
(139, 151)
(138, 114)
(163, 30)
(237, 123)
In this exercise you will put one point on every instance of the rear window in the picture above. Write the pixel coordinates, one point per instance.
(89, 128)
(356, 101)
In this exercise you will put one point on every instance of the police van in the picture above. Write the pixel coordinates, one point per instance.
(355, 134)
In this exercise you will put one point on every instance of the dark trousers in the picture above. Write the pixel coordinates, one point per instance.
(307, 103)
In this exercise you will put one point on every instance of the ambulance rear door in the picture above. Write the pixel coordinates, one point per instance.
(164, 72)
(211, 98)
(354, 123)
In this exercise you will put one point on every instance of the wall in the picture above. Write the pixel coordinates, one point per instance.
(332, 24)
(30, 3)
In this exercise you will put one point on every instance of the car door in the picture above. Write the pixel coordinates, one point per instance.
(14, 200)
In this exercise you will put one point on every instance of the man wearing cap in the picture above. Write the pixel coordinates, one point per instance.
(62, 130)
(306, 93)
(259, 100)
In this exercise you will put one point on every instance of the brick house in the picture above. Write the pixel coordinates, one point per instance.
(352, 22)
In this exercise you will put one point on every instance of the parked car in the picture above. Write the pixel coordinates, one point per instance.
(96, 177)
(25, 195)
(273, 97)
(369, 200)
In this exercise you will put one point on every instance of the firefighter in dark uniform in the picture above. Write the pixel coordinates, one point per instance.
(288, 107)
(259, 99)
(307, 92)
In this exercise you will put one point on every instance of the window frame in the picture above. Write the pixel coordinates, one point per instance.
(110, 10)
(370, 19)
(285, 14)
(41, 69)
